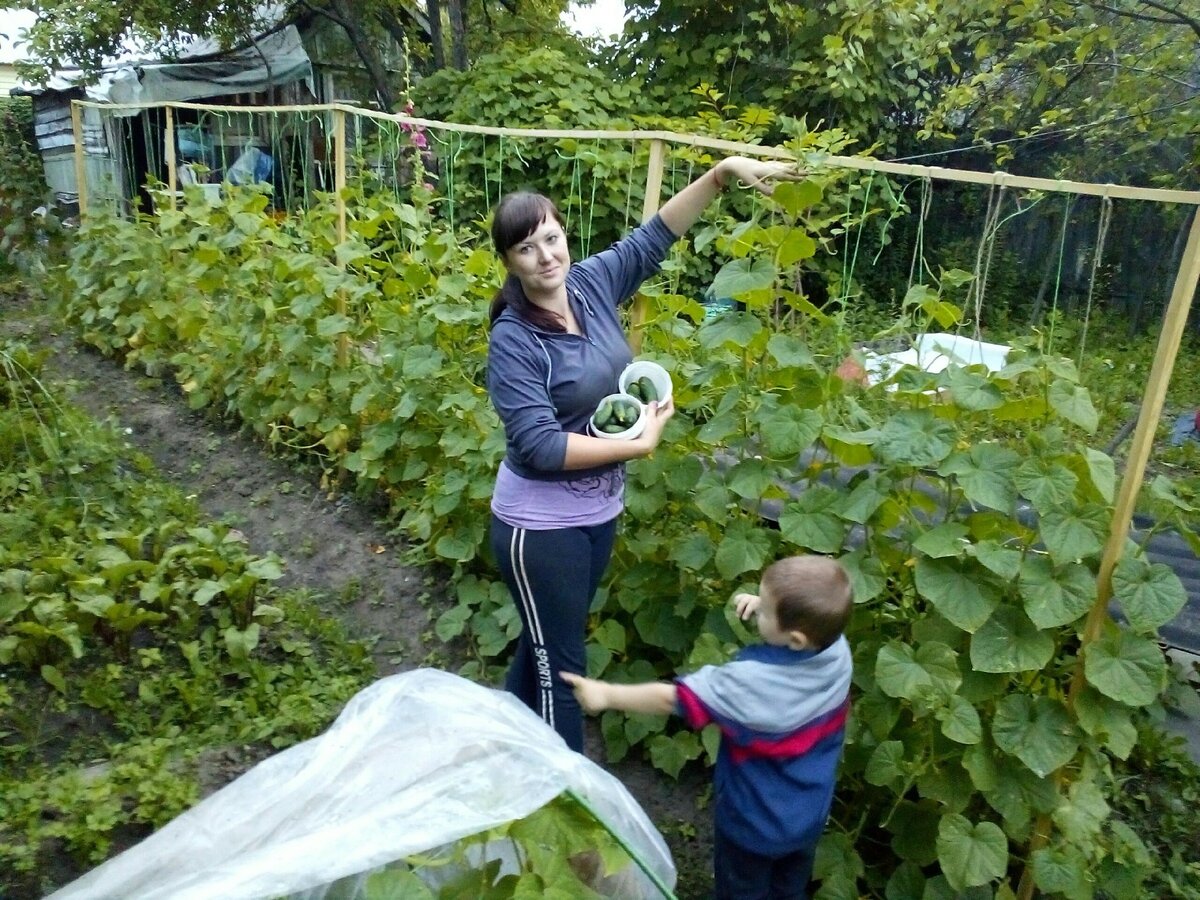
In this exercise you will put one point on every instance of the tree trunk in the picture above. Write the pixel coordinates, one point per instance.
(458, 34)
(1039, 303)
(367, 52)
(433, 9)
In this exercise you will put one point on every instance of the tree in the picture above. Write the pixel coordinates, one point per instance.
(1115, 83)
(1017, 78)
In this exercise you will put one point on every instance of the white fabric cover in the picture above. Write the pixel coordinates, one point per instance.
(415, 761)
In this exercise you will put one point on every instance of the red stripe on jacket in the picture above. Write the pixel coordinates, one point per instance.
(795, 743)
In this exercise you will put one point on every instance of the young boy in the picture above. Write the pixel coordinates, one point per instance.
(781, 707)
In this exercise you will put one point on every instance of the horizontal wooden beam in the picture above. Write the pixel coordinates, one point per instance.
(815, 162)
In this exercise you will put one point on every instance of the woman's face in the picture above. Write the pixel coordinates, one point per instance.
(541, 260)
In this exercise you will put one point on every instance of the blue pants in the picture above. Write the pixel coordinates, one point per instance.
(552, 576)
(743, 875)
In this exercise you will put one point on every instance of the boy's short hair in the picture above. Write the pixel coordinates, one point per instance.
(812, 594)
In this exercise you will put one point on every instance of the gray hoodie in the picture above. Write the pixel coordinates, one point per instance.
(545, 384)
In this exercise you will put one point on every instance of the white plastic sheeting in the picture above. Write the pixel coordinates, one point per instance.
(933, 353)
(414, 762)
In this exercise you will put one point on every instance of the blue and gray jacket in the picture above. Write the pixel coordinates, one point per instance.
(545, 384)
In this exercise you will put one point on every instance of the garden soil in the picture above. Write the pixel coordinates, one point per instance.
(338, 548)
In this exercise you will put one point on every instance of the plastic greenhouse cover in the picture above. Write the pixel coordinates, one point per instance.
(414, 762)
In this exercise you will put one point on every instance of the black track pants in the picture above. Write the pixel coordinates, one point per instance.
(552, 576)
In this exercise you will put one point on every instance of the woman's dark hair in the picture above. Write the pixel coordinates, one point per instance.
(517, 217)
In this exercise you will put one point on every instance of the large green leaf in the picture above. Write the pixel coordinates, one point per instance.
(796, 245)
(1125, 667)
(1056, 595)
(1101, 472)
(744, 548)
(1020, 793)
(907, 881)
(1062, 871)
(960, 721)
(980, 764)
(1073, 403)
(736, 329)
(1003, 561)
(1036, 730)
(1009, 642)
(797, 196)
(959, 590)
(878, 712)
(789, 350)
(810, 521)
(919, 675)
(947, 539)
(1150, 594)
(693, 552)
(1106, 720)
(396, 884)
(914, 832)
(915, 437)
(985, 473)
(886, 767)
(851, 448)
(740, 276)
(867, 578)
(971, 854)
(787, 430)
(972, 390)
(750, 478)
(1047, 485)
(1081, 816)
(1070, 535)
(947, 783)
(671, 752)
(866, 497)
(713, 499)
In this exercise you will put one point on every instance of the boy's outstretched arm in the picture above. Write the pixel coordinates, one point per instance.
(596, 696)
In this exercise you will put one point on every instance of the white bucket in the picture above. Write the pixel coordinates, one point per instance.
(641, 368)
(633, 431)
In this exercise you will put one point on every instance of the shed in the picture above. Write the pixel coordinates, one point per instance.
(125, 147)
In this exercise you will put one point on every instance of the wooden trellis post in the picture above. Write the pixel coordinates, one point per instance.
(654, 178)
(80, 167)
(339, 187)
(169, 137)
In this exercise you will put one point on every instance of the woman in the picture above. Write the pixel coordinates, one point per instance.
(556, 348)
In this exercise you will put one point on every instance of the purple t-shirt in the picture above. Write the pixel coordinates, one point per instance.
(546, 505)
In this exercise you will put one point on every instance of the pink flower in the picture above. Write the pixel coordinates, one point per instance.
(419, 140)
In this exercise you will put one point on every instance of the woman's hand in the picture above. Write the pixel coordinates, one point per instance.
(657, 416)
(681, 211)
(755, 173)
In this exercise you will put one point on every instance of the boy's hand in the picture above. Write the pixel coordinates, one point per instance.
(746, 605)
(588, 691)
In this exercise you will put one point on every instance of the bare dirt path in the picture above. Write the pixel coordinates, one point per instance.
(332, 545)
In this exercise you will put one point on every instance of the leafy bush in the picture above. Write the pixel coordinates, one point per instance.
(22, 184)
(134, 640)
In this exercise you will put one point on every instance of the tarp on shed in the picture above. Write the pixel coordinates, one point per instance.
(276, 59)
